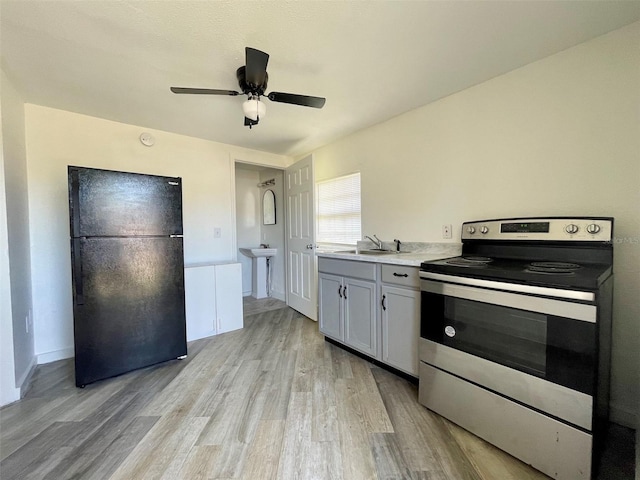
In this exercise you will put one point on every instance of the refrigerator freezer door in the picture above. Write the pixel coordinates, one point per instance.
(108, 203)
(129, 309)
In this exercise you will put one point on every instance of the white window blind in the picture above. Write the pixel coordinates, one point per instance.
(339, 210)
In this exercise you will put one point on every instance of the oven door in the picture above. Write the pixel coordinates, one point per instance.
(551, 339)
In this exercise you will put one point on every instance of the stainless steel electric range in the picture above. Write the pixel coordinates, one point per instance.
(515, 338)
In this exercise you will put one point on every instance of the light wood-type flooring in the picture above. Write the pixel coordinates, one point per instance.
(271, 401)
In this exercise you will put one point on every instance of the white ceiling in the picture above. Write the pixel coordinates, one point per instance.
(372, 60)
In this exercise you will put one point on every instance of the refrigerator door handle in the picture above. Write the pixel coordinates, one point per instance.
(176, 236)
(77, 271)
(75, 199)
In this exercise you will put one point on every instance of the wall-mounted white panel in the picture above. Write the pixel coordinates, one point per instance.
(228, 280)
(200, 304)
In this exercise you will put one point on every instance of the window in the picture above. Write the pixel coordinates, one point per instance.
(339, 211)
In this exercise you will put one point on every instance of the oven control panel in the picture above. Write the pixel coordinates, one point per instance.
(588, 229)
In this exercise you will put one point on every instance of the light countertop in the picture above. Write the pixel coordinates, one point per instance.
(427, 253)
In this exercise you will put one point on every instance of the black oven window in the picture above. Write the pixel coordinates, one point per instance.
(514, 338)
(557, 349)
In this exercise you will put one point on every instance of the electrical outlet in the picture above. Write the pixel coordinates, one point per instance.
(217, 232)
(446, 231)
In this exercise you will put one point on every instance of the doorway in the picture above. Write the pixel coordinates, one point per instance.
(256, 226)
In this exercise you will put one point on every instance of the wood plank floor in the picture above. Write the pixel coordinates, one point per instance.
(271, 401)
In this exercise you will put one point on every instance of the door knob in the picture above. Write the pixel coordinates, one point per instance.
(310, 246)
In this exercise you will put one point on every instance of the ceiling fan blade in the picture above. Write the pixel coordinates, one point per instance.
(204, 91)
(256, 66)
(304, 100)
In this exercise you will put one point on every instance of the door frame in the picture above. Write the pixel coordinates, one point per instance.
(234, 232)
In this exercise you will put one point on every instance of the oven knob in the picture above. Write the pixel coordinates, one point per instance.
(471, 230)
(571, 229)
(593, 228)
(484, 229)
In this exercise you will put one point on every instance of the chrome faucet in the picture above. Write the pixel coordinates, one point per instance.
(377, 241)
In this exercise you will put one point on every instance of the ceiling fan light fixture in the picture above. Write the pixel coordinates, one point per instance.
(254, 109)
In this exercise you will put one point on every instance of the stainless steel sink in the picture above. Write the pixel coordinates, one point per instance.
(376, 252)
(370, 252)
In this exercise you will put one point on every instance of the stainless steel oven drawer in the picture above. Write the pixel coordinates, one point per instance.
(560, 451)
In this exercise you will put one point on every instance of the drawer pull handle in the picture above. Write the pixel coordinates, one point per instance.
(384, 307)
(400, 274)
(340, 291)
(344, 292)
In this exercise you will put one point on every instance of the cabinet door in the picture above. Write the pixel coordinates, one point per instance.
(400, 328)
(360, 315)
(330, 296)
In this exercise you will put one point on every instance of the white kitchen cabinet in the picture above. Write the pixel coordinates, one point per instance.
(400, 328)
(360, 315)
(400, 303)
(213, 299)
(373, 308)
(331, 321)
(347, 302)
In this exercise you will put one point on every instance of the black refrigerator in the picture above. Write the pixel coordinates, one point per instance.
(127, 271)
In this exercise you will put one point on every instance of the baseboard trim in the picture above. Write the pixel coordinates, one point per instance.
(56, 355)
(25, 381)
(278, 296)
(624, 417)
(9, 396)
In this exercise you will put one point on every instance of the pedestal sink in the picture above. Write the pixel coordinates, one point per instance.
(259, 252)
(259, 258)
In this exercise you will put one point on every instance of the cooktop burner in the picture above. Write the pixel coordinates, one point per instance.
(470, 261)
(557, 268)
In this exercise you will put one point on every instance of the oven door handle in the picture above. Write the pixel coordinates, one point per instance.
(549, 306)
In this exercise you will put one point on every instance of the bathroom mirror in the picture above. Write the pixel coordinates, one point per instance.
(269, 208)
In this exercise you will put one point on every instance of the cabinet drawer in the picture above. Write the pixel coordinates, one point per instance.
(354, 269)
(401, 275)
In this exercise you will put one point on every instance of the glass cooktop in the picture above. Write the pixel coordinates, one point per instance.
(568, 275)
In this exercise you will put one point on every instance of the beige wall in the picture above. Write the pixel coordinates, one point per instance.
(17, 218)
(557, 137)
(247, 219)
(8, 391)
(56, 139)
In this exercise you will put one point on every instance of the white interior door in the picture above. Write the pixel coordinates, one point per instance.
(300, 227)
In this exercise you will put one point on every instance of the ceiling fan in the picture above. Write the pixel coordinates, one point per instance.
(252, 79)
